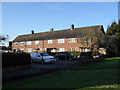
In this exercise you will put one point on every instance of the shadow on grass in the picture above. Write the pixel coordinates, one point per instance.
(86, 76)
(105, 63)
(70, 79)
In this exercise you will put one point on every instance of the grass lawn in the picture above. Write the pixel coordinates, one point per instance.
(85, 78)
(107, 63)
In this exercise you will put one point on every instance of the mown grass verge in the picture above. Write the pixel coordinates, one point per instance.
(76, 79)
(106, 63)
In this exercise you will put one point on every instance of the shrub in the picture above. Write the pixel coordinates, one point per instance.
(75, 53)
(15, 59)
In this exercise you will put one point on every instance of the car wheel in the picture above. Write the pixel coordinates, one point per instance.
(70, 59)
(57, 58)
(31, 61)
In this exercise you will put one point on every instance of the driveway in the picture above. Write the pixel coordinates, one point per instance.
(37, 69)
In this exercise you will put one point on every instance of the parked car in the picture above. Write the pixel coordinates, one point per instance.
(86, 55)
(64, 56)
(41, 57)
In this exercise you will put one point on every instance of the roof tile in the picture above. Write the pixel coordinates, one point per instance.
(66, 33)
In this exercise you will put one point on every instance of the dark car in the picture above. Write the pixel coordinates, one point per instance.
(64, 56)
(86, 55)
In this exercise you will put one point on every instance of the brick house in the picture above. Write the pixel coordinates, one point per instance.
(54, 41)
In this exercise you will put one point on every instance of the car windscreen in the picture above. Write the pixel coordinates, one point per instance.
(44, 54)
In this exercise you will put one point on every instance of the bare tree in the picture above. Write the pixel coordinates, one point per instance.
(91, 39)
(3, 39)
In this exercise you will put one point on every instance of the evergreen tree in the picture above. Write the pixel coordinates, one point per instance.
(112, 29)
(113, 39)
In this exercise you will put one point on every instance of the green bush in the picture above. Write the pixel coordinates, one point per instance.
(15, 59)
(75, 53)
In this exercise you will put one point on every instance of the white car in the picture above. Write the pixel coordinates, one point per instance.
(41, 57)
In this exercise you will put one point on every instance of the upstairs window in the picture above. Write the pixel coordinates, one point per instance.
(49, 41)
(28, 42)
(86, 39)
(36, 42)
(72, 40)
(16, 43)
(22, 43)
(61, 41)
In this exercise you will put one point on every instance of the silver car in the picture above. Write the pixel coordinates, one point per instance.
(41, 57)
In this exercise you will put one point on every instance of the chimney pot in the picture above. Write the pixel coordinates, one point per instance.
(32, 32)
(51, 29)
(72, 26)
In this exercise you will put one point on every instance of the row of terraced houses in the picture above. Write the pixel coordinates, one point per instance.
(54, 40)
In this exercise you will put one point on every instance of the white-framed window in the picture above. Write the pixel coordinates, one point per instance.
(29, 49)
(35, 49)
(86, 39)
(16, 43)
(73, 48)
(29, 42)
(61, 49)
(61, 40)
(45, 49)
(76, 48)
(87, 49)
(53, 50)
(22, 43)
(22, 49)
(49, 41)
(72, 40)
(36, 42)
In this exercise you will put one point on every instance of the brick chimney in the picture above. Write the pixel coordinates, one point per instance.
(51, 29)
(32, 32)
(71, 26)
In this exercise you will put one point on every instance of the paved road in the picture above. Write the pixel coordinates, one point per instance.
(37, 69)
(55, 65)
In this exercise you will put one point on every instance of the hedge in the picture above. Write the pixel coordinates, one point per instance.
(75, 53)
(15, 59)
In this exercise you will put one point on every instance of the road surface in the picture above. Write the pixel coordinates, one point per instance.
(37, 69)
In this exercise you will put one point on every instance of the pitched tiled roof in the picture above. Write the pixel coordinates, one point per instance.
(66, 33)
